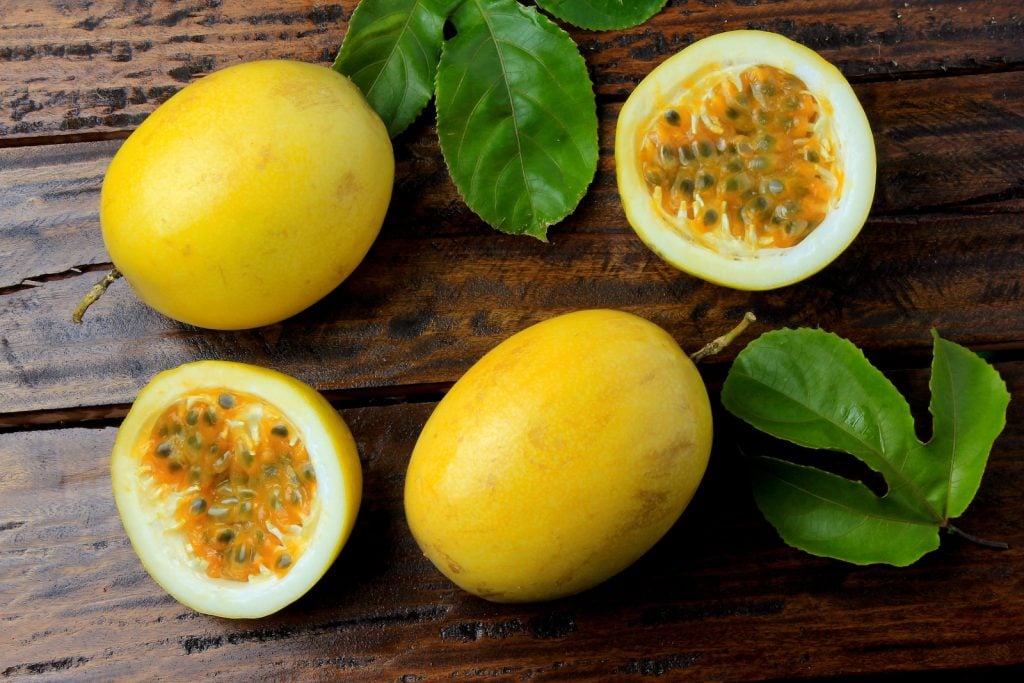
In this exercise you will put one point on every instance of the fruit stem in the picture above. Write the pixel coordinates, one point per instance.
(93, 295)
(998, 545)
(716, 345)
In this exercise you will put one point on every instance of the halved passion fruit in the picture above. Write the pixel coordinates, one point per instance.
(237, 486)
(746, 160)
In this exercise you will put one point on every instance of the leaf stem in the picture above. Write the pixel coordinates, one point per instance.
(998, 545)
(719, 343)
(93, 295)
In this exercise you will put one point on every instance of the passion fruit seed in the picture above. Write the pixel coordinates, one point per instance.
(761, 120)
(233, 514)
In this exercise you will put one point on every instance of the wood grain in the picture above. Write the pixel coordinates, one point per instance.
(75, 601)
(439, 288)
(102, 66)
(71, 585)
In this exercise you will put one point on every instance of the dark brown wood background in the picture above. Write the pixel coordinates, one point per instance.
(721, 597)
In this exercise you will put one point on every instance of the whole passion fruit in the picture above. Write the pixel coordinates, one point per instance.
(559, 458)
(249, 195)
(746, 160)
(237, 486)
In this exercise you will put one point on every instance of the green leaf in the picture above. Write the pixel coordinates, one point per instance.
(602, 15)
(817, 390)
(516, 116)
(391, 51)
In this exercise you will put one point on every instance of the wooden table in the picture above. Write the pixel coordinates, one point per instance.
(721, 597)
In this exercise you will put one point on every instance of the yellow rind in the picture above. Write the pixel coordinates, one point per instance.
(332, 451)
(559, 458)
(248, 195)
(768, 268)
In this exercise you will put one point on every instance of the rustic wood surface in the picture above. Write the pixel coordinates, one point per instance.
(721, 597)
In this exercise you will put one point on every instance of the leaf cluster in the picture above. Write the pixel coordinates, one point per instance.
(819, 391)
(516, 114)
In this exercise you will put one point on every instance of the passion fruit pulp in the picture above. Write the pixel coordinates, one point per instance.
(746, 160)
(237, 486)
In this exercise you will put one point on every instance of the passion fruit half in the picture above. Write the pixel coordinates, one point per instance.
(237, 486)
(745, 159)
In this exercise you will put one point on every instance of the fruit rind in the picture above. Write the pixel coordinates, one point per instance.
(559, 458)
(248, 195)
(768, 268)
(162, 552)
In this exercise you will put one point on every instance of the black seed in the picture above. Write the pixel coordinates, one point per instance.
(308, 472)
(705, 180)
(245, 508)
(668, 154)
(732, 113)
(175, 465)
(247, 457)
(226, 401)
(192, 417)
(226, 535)
(164, 431)
(164, 449)
(195, 441)
(710, 217)
(686, 154)
(768, 89)
(198, 506)
(284, 561)
(213, 448)
(705, 148)
(279, 430)
(654, 177)
(195, 473)
(685, 184)
(760, 203)
(732, 185)
(812, 156)
(734, 166)
(210, 415)
(672, 116)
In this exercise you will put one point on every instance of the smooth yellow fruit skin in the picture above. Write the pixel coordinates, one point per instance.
(248, 195)
(332, 451)
(559, 458)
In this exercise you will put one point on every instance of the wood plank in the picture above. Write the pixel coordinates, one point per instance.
(963, 148)
(719, 598)
(421, 310)
(439, 288)
(102, 66)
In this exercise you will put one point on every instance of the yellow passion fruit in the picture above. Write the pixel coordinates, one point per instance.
(249, 195)
(745, 159)
(237, 486)
(559, 458)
